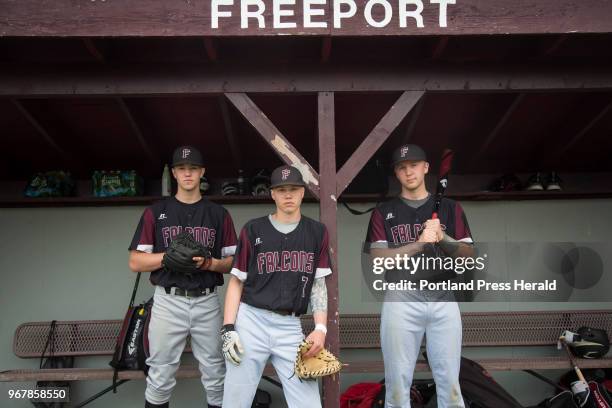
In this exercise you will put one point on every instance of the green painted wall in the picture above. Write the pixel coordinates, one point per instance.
(71, 264)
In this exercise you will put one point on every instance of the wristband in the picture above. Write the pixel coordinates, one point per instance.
(321, 327)
(227, 328)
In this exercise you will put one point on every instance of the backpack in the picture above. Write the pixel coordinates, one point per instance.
(480, 390)
(132, 347)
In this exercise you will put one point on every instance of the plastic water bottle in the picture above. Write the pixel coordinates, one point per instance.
(165, 187)
(242, 188)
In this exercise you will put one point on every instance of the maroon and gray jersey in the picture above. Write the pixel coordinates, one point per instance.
(394, 224)
(209, 223)
(278, 269)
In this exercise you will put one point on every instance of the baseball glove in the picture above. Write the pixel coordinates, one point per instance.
(311, 368)
(180, 253)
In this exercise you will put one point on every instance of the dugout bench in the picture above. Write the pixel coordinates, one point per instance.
(539, 329)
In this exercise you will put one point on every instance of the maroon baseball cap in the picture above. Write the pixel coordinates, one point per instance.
(286, 176)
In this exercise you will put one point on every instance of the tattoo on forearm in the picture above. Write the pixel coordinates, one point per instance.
(318, 296)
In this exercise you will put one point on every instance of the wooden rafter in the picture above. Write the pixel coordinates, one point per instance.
(136, 130)
(130, 80)
(414, 117)
(40, 129)
(518, 99)
(439, 47)
(275, 139)
(229, 133)
(557, 43)
(93, 50)
(601, 114)
(211, 49)
(376, 138)
(326, 47)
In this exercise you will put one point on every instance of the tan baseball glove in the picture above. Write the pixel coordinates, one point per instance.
(311, 368)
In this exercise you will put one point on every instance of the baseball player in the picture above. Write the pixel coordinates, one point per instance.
(184, 304)
(280, 267)
(403, 225)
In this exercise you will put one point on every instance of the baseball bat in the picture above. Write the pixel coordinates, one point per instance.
(572, 360)
(445, 167)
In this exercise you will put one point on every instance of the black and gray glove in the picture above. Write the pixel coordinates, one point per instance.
(179, 255)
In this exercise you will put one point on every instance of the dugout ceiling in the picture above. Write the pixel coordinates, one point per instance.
(492, 132)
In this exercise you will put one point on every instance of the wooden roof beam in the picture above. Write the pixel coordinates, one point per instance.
(93, 50)
(414, 117)
(137, 131)
(40, 129)
(439, 48)
(554, 46)
(211, 49)
(498, 127)
(279, 143)
(601, 114)
(229, 133)
(326, 47)
(376, 138)
(37, 80)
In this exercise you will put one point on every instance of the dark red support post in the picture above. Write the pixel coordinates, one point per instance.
(328, 216)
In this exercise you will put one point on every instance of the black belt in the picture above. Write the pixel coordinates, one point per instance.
(189, 292)
(285, 313)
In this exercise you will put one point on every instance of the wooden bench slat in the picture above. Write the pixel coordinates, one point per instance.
(354, 367)
(83, 374)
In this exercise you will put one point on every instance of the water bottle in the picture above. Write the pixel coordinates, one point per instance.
(165, 187)
(242, 188)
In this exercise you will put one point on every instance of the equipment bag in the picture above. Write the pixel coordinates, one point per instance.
(132, 347)
(480, 390)
(262, 399)
(599, 398)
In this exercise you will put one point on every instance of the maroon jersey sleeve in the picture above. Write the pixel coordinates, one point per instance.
(144, 237)
(228, 246)
(377, 236)
(462, 229)
(242, 256)
(324, 265)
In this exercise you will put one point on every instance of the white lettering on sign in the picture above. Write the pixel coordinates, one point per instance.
(339, 14)
(387, 15)
(215, 13)
(246, 13)
(416, 13)
(443, 3)
(309, 12)
(278, 13)
(282, 13)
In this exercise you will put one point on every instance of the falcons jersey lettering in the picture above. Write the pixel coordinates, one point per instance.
(278, 269)
(209, 223)
(394, 223)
